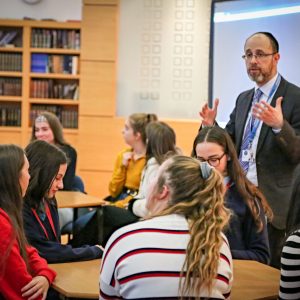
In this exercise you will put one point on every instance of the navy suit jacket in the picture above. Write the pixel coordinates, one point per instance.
(277, 155)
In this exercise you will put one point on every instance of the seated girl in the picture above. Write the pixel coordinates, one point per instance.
(290, 256)
(130, 162)
(23, 273)
(161, 142)
(48, 128)
(247, 232)
(180, 252)
(48, 165)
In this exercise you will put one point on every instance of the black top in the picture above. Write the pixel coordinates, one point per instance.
(71, 154)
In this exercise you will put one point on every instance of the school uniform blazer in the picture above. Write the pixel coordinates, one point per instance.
(244, 240)
(276, 156)
(49, 246)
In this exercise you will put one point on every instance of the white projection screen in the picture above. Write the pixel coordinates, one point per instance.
(232, 23)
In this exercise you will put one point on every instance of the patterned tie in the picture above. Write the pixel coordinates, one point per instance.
(247, 134)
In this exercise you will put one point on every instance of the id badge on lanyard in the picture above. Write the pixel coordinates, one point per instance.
(248, 154)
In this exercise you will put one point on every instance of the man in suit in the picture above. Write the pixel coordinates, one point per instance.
(265, 133)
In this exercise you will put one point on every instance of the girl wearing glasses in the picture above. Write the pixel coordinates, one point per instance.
(247, 230)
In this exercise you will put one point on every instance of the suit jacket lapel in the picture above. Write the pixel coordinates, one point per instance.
(264, 129)
(241, 120)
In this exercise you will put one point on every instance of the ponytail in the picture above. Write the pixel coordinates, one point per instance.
(196, 192)
(139, 121)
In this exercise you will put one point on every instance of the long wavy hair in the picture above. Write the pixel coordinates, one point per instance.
(44, 162)
(161, 141)
(139, 122)
(55, 126)
(249, 192)
(11, 163)
(201, 202)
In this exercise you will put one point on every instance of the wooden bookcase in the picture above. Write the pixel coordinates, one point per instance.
(98, 138)
(39, 70)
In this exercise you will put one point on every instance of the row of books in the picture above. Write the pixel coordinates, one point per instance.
(10, 115)
(55, 38)
(45, 63)
(50, 88)
(10, 87)
(10, 62)
(11, 37)
(68, 116)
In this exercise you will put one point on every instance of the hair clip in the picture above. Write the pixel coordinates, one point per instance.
(206, 169)
(41, 118)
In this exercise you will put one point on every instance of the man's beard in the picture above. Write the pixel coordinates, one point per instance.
(257, 78)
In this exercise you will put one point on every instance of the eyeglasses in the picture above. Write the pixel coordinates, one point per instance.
(257, 56)
(213, 161)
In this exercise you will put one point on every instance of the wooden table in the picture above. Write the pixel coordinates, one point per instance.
(252, 280)
(78, 279)
(76, 200)
(71, 199)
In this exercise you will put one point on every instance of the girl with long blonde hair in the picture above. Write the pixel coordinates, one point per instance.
(180, 251)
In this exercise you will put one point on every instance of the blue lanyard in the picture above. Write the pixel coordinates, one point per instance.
(256, 121)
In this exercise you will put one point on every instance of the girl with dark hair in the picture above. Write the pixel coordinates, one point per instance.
(247, 233)
(48, 165)
(180, 252)
(48, 128)
(23, 273)
(130, 162)
(161, 142)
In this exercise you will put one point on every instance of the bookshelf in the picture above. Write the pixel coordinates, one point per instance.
(39, 70)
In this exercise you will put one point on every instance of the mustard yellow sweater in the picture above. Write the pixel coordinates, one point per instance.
(128, 177)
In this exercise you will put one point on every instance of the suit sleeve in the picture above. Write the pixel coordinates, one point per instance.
(289, 142)
(288, 139)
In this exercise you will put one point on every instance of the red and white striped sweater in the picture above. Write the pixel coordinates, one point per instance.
(144, 260)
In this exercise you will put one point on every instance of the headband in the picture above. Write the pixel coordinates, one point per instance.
(41, 118)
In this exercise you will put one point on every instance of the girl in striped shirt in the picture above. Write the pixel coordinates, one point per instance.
(180, 251)
(290, 256)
